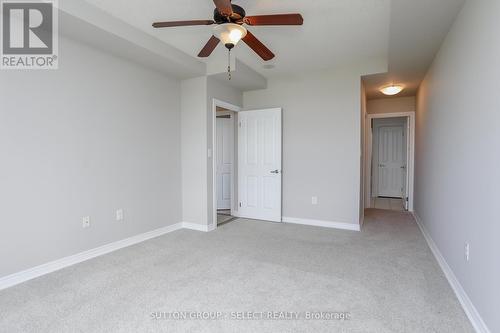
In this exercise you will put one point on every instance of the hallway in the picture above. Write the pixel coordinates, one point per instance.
(388, 204)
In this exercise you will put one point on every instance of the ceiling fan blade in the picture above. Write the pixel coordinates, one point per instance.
(209, 47)
(278, 19)
(224, 7)
(258, 47)
(182, 23)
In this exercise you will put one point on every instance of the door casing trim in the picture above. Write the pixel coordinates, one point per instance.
(369, 154)
(218, 103)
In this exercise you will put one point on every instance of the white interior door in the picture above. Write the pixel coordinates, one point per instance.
(391, 161)
(259, 164)
(224, 161)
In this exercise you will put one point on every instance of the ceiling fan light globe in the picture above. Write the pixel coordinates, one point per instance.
(230, 33)
(236, 35)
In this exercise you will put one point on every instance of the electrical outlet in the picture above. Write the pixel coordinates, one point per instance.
(85, 222)
(314, 200)
(467, 251)
(119, 215)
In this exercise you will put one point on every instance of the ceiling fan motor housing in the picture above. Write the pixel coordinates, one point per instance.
(236, 17)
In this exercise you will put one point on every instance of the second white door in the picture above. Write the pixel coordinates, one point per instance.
(259, 164)
(392, 160)
(224, 165)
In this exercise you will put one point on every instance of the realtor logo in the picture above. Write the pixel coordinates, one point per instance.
(29, 34)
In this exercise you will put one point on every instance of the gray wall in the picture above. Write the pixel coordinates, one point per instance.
(362, 171)
(194, 150)
(391, 105)
(96, 135)
(457, 154)
(197, 95)
(321, 142)
(223, 92)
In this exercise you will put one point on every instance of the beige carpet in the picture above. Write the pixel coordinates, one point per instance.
(221, 219)
(388, 203)
(383, 279)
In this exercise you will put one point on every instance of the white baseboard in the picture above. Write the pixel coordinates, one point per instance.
(31, 273)
(469, 308)
(198, 227)
(320, 223)
(19, 277)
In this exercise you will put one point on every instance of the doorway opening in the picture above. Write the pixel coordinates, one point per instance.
(225, 163)
(389, 163)
(246, 164)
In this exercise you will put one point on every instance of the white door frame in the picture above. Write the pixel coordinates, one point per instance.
(410, 154)
(218, 103)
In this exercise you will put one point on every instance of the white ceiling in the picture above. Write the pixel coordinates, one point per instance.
(335, 32)
(405, 34)
(417, 31)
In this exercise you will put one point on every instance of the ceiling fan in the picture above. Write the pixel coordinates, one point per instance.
(229, 19)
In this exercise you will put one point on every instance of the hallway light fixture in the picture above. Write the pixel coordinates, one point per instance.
(392, 90)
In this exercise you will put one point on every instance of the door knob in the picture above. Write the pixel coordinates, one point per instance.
(381, 165)
(275, 171)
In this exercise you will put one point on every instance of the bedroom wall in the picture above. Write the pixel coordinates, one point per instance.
(220, 90)
(85, 140)
(194, 150)
(197, 96)
(321, 142)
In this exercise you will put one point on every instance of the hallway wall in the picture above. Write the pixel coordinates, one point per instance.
(391, 105)
(457, 154)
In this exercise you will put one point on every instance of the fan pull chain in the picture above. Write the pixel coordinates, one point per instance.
(229, 65)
